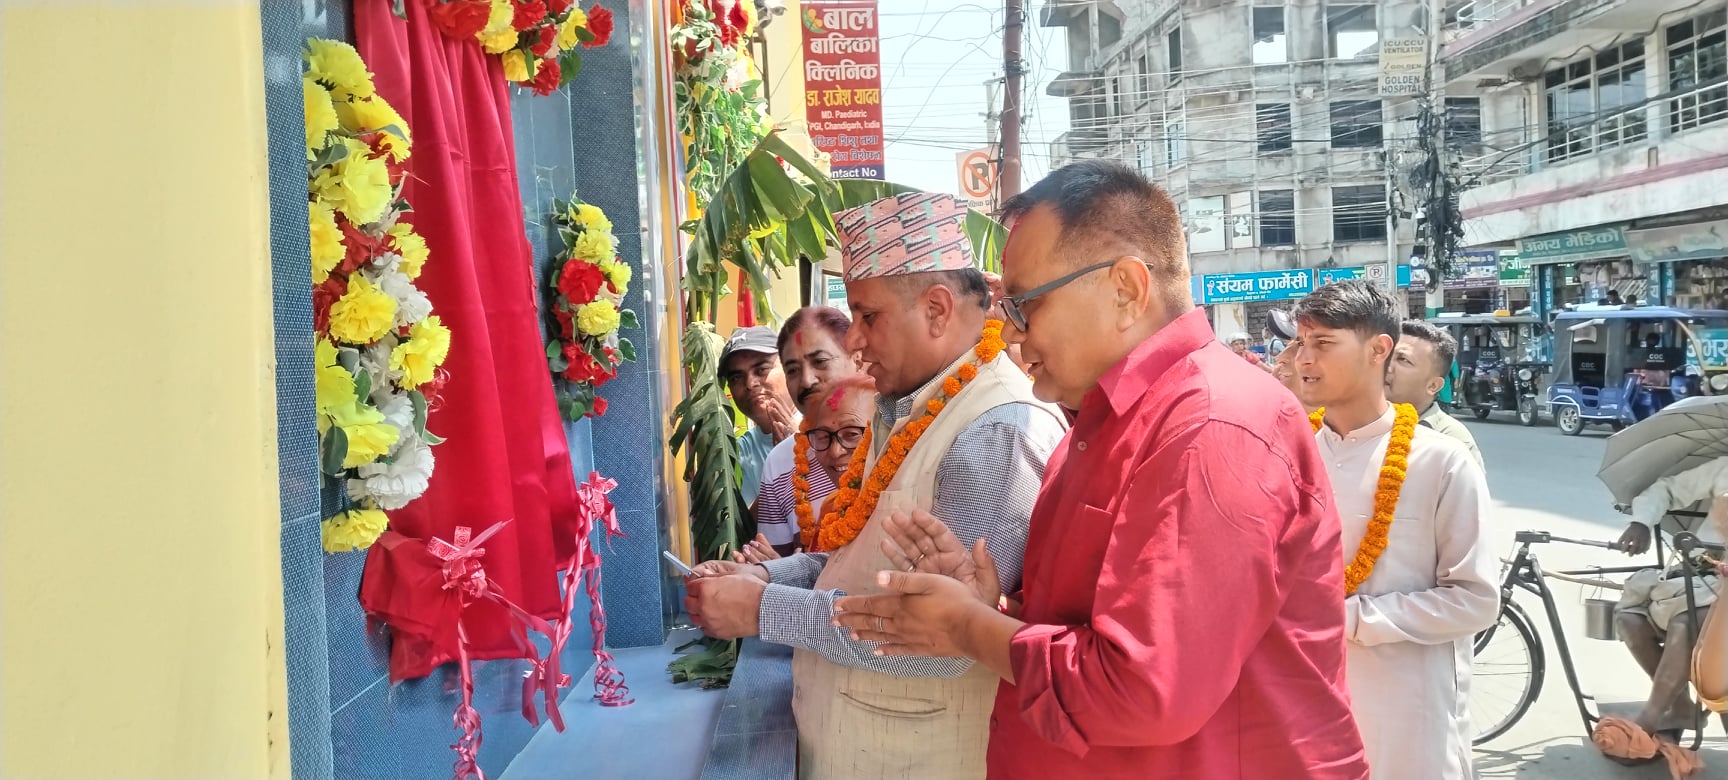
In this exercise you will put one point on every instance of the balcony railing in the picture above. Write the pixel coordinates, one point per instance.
(1492, 167)
(1464, 17)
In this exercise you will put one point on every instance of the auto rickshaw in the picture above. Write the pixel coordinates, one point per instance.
(1499, 363)
(1617, 365)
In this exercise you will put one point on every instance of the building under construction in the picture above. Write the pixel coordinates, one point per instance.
(1267, 124)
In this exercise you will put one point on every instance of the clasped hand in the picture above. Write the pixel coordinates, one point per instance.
(938, 586)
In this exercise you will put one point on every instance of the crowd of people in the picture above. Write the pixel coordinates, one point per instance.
(1049, 525)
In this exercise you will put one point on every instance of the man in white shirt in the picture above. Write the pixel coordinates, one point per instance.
(1418, 371)
(1652, 619)
(1421, 581)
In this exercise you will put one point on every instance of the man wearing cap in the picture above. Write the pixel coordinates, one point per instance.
(1280, 330)
(955, 434)
(750, 367)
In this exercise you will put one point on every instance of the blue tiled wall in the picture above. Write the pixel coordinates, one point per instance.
(345, 719)
(628, 442)
(285, 27)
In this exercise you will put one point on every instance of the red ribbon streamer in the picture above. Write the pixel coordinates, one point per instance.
(464, 573)
(581, 572)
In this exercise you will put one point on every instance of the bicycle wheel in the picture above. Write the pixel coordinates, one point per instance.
(1509, 666)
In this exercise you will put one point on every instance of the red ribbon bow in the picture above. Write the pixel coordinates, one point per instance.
(462, 569)
(464, 573)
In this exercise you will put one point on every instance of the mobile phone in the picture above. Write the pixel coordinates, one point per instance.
(673, 559)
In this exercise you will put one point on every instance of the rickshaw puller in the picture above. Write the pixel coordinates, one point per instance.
(1652, 619)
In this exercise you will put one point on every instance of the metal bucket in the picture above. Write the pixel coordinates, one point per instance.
(1599, 619)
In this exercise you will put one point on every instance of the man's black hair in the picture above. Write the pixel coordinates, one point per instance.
(966, 284)
(1445, 347)
(1105, 206)
(1352, 304)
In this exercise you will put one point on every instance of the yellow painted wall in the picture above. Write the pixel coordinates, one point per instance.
(140, 581)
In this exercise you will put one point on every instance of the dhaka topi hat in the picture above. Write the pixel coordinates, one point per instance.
(917, 232)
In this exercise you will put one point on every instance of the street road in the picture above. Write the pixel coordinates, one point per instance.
(1543, 480)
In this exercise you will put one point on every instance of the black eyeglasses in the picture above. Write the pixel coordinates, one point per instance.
(1011, 303)
(821, 438)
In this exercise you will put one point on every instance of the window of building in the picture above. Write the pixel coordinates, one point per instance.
(1272, 121)
(1356, 124)
(1698, 57)
(1175, 145)
(1174, 43)
(1277, 217)
(1109, 28)
(1463, 122)
(1359, 213)
(1352, 31)
(1270, 44)
(1143, 160)
(1596, 103)
(1143, 69)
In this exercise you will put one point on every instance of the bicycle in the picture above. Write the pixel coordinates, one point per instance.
(1514, 635)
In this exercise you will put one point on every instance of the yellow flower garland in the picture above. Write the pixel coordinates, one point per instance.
(855, 500)
(1392, 472)
(355, 144)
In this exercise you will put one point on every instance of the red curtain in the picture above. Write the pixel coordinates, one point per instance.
(505, 458)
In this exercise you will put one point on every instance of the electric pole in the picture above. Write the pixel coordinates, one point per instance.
(1008, 175)
(992, 117)
(1440, 207)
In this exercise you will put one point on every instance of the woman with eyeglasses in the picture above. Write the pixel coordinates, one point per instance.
(813, 354)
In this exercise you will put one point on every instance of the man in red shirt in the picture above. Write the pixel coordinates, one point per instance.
(1181, 614)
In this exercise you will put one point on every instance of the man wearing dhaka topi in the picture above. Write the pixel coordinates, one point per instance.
(1420, 578)
(956, 430)
(1181, 614)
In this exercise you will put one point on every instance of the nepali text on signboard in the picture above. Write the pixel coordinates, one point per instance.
(1473, 271)
(1713, 348)
(1604, 243)
(1514, 272)
(1403, 66)
(843, 85)
(1262, 286)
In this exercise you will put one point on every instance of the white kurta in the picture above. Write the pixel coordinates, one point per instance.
(1410, 625)
(1699, 483)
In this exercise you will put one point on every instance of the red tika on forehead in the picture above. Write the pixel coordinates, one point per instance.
(861, 383)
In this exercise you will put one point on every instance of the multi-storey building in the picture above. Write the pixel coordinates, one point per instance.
(1264, 120)
(1604, 156)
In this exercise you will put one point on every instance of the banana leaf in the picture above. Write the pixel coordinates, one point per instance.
(703, 422)
(762, 220)
(712, 665)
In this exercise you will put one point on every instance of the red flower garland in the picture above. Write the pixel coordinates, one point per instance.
(599, 23)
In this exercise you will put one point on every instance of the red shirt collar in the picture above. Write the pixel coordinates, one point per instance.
(1126, 381)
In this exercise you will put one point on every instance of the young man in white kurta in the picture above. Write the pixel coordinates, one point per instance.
(1410, 624)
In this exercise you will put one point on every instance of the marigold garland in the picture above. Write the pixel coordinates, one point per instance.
(801, 491)
(855, 500)
(1392, 472)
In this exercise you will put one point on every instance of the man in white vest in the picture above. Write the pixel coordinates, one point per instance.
(956, 432)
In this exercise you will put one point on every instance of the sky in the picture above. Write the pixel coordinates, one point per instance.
(935, 60)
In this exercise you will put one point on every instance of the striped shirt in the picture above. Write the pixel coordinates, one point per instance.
(776, 511)
(985, 487)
